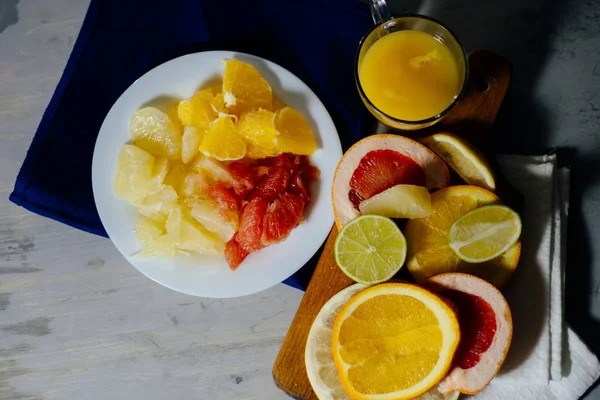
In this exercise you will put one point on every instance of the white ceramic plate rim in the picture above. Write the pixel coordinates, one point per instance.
(209, 276)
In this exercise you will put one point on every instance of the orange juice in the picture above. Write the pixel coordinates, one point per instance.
(409, 75)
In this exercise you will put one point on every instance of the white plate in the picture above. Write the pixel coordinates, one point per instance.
(208, 276)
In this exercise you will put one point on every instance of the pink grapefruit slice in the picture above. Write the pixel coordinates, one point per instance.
(377, 163)
(486, 330)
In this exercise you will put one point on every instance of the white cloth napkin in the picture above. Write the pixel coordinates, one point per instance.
(543, 361)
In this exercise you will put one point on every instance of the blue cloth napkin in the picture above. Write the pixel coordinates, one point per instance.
(121, 40)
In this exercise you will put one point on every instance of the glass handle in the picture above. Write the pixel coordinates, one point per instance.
(380, 11)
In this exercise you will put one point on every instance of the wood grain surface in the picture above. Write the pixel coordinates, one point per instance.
(473, 118)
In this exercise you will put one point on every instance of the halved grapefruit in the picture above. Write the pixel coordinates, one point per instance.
(377, 163)
(486, 330)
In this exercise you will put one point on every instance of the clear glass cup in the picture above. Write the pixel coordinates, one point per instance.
(385, 24)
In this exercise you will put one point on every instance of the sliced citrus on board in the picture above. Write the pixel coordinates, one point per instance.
(427, 238)
(462, 157)
(318, 357)
(377, 163)
(484, 233)
(295, 134)
(370, 249)
(244, 88)
(400, 201)
(486, 330)
(393, 341)
(152, 130)
(222, 141)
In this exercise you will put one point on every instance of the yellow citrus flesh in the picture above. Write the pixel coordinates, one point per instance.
(427, 238)
(258, 128)
(244, 88)
(134, 172)
(393, 341)
(295, 134)
(197, 111)
(152, 130)
(222, 141)
(462, 157)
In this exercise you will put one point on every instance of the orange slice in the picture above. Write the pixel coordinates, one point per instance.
(222, 141)
(393, 341)
(258, 128)
(197, 111)
(427, 238)
(295, 134)
(244, 88)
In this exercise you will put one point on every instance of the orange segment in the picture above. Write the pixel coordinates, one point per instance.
(222, 141)
(197, 111)
(393, 341)
(295, 134)
(244, 88)
(258, 128)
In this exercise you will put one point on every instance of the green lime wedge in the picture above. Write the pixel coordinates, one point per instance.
(484, 233)
(370, 249)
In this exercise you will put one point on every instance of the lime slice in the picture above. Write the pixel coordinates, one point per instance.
(484, 233)
(400, 201)
(370, 249)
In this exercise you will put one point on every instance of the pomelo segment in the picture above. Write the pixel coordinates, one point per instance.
(486, 327)
(435, 172)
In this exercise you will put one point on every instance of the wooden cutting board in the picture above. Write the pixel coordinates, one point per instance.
(473, 118)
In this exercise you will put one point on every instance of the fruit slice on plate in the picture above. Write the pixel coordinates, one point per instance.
(295, 134)
(244, 88)
(400, 201)
(152, 130)
(370, 249)
(428, 252)
(484, 233)
(222, 141)
(462, 157)
(486, 330)
(318, 358)
(377, 163)
(393, 341)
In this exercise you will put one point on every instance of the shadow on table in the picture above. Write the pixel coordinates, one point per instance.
(525, 31)
(8, 14)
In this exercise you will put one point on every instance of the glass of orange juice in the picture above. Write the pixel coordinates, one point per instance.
(410, 70)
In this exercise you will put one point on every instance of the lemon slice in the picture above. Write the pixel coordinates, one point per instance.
(400, 201)
(370, 249)
(484, 233)
(393, 341)
(462, 157)
(320, 368)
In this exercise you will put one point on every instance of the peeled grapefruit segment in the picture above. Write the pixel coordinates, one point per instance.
(391, 160)
(234, 253)
(250, 233)
(486, 330)
(283, 215)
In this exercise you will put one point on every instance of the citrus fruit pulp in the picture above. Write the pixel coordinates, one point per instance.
(379, 170)
(393, 341)
(428, 253)
(400, 201)
(244, 88)
(435, 171)
(318, 357)
(152, 130)
(295, 134)
(370, 249)
(463, 158)
(484, 233)
(486, 329)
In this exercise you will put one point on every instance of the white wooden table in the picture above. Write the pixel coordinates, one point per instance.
(76, 320)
